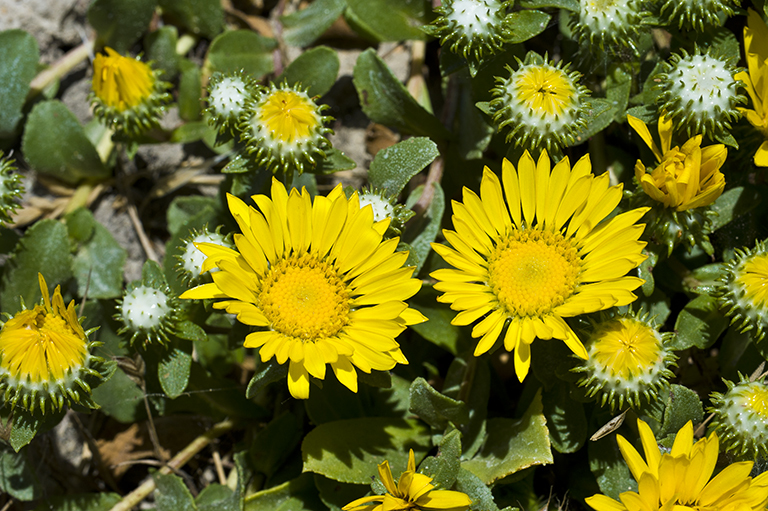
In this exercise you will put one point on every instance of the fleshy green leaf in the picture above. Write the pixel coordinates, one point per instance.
(385, 100)
(609, 468)
(350, 450)
(55, 143)
(299, 494)
(242, 49)
(422, 230)
(203, 17)
(120, 23)
(44, 249)
(393, 167)
(600, 114)
(80, 502)
(334, 161)
(265, 374)
(699, 324)
(172, 494)
(435, 408)
(275, 443)
(189, 91)
(438, 329)
(525, 25)
(17, 474)
(216, 497)
(387, 20)
(18, 66)
(316, 69)
(444, 468)
(25, 427)
(303, 27)
(161, 50)
(120, 398)
(336, 495)
(734, 203)
(476, 489)
(513, 445)
(566, 420)
(682, 405)
(569, 5)
(174, 367)
(99, 259)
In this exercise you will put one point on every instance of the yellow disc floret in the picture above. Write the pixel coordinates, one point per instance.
(44, 352)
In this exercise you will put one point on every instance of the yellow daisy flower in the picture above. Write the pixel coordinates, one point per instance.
(537, 251)
(756, 80)
(686, 177)
(682, 479)
(127, 94)
(45, 355)
(413, 491)
(318, 280)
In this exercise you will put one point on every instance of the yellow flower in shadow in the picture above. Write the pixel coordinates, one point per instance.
(121, 82)
(756, 80)
(682, 478)
(413, 491)
(685, 177)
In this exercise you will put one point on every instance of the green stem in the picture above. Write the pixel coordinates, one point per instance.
(178, 461)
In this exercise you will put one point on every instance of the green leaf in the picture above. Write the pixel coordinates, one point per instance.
(513, 445)
(161, 51)
(266, 373)
(183, 209)
(698, 324)
(55, 143)
(18, 66)
(17, 474)
(120, 398)
(336, 495)
(476, 489)
(600, 114)
(216, 497)
(435, 408)
(26, 425)
(242, 49)
(316, 69)
(173, 370)
(609, 468)
(275, 443)
(171, 494)
(704, 279)
(682, 405)
(387, 20)
(99, 260)
(303, 27)
(203, 17)
(191, 132)
(469, 379)
(299, 494)
(733, 204)
(525, 25)
(334, 401)
(566, 420)
(438, 330)
(393, 167)
(80, 502)
(618, 85)
(569, 5)
(385, 100)
(350, 450)
(422, 230)
(44, 249)
(444, 468)
(334, 161)
(190, 331)
(189, 91)
(120, 23)
(152, 275)
(645, 272)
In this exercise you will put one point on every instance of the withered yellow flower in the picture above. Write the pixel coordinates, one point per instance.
(121, 82)
(685, 177)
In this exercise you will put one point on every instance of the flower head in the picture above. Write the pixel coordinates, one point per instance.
(700, 93)
(627, 359)
(756, 80)
(45, 356)
(743, 289)
(10, 189)
(696, 14)
(608, 24)
(191, 259)
(682, 478)
(387, 212)
(413, 491)
(685, 177)
(473, 28)
(543, 254)
(541, 104)
(284, 129)
(227, 97)
(741, 417)
(318, 281)
(127, 94)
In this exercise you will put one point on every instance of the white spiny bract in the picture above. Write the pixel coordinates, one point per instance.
(741, 418)
(10, 189)
(227, 97)
(696, 14)
(700, 94)
(608, 24)
(191, 259)
(472, 28)
(148, 313)
(382, 208)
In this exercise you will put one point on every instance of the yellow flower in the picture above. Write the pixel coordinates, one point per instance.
(682, 480)
(44, 352)
(541, 256)
(121, 82)
(546, 89)
(756, 80)
(743, 289)
(318, 280)
(686, 177)
(413, 491)
(289, 115)
(741, 417)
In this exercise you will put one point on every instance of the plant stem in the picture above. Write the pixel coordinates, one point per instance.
(178, 461)
(60, 68)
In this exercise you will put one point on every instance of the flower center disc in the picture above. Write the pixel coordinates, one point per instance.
(626, 347)
(305, 298)
(753, 279)
(547, 89)
(533, 271)
(757, 400)
(288, 116)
